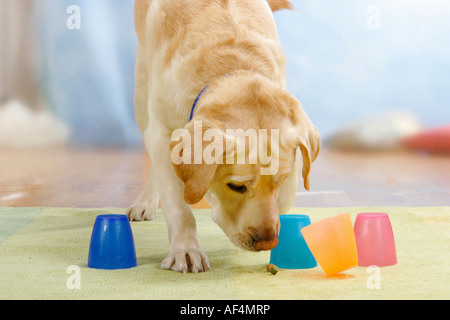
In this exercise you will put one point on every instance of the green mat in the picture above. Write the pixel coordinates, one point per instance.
(43, 255)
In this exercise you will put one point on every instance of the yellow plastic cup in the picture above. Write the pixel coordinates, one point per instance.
(333, 244)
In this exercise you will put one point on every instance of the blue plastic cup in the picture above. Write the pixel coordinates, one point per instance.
(112, 243)
(292, 252)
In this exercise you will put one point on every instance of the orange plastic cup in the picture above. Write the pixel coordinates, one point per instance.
(333, 244)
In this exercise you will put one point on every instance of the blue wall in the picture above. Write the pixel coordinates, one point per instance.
(343, 64)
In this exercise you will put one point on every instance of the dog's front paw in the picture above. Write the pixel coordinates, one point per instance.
(186, 256)
(141, 210)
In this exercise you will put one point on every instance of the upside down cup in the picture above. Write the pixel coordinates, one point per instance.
(112, 243)
(332, 242)
(375, 240)
(292, 252)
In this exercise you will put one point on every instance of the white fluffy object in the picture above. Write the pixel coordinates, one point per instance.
(382, 132)
(21, 127)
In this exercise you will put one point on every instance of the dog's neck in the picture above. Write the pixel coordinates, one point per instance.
(196, 101)
(199, 96)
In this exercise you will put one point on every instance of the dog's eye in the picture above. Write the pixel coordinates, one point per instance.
(237, 188)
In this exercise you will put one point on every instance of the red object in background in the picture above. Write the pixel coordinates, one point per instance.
(433, 140)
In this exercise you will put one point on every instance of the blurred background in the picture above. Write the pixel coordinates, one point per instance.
(347, 61)
(74, 61)
(371, 74)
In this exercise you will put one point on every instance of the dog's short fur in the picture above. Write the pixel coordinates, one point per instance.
(232, 46)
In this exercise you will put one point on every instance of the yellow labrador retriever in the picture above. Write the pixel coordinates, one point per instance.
(217, 121)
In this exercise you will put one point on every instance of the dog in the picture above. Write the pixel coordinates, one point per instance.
(207, 66)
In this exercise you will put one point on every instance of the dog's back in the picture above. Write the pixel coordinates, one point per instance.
(176, 14)
(197, 40)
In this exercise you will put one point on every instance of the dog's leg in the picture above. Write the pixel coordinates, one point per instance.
(185, 252)
(145, 206)
(288, 190)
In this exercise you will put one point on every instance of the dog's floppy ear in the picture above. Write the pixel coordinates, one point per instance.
(187, 158)
(306, 137)
(309, 142)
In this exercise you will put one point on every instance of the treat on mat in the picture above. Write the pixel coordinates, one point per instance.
(273, 269)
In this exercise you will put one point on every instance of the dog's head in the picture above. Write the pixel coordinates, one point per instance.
(239, 150)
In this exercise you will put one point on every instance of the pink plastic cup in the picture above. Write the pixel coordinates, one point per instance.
(375, 240)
